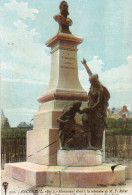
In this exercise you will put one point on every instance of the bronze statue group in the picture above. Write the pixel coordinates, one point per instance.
(89, 133)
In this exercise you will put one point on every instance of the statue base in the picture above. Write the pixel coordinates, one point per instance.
(77, 158)
(67, 176)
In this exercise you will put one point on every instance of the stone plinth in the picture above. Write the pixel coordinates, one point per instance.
(79, 158)
(66, 176)
(64, 83)
(64, 87)
(42, 146)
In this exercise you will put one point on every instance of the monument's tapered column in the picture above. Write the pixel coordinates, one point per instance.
(64, 83)
(64, 87)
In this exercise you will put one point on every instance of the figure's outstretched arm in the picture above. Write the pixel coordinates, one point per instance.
(86, 66)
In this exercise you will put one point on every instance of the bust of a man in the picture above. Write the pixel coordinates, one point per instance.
(62, 19)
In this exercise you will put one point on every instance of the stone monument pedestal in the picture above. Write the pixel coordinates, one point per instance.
(64, 83)
(43, 150)
(64, 88)
(79, 158)
(67, 176)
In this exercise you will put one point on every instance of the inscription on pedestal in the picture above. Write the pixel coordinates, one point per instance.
(68, 59)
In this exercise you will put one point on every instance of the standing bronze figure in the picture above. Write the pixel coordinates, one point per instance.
(94, 117)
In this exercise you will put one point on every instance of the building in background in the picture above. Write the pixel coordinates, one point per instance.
(22, 126)
(117, 113)
(4, 121)
(124, 112)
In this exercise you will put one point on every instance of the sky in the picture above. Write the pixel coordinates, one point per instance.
(25, 26)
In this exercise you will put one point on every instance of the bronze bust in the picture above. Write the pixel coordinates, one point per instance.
(62, 19)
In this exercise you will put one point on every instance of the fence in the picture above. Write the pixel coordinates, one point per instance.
(119, 146)
(13, 149)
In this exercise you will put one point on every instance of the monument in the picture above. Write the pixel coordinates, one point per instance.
(64, 87)
(64, 149)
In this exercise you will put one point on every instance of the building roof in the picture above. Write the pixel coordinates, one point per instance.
(124, 109)
(2, 113)
(23, 124)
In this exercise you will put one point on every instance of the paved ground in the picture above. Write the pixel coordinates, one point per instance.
(16, 187)
(119, 160)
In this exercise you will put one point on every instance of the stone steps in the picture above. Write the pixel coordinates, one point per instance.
(67, 176)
